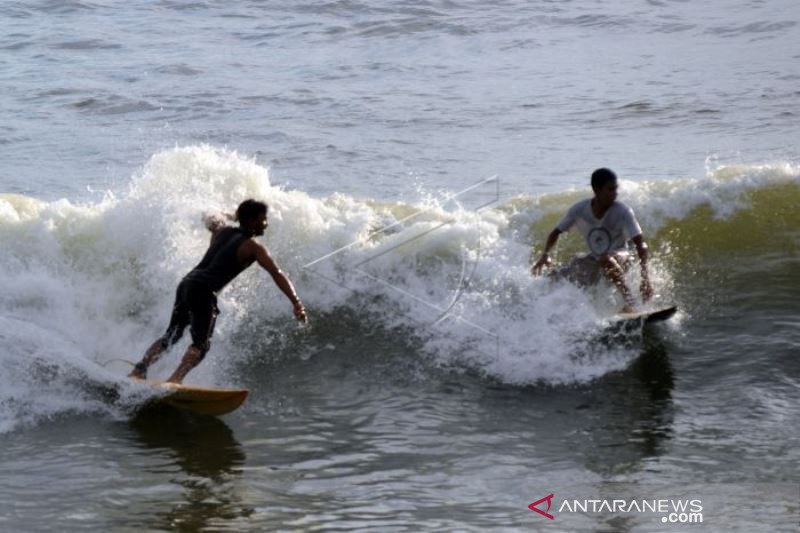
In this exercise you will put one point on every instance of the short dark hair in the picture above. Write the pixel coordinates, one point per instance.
(601, 176)
(249, 210)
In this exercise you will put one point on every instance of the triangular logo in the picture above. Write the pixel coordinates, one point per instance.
(444, 310)
(549, 500)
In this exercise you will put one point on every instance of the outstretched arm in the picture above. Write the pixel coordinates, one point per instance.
(544, 259)
(641, 251)
(280, 279)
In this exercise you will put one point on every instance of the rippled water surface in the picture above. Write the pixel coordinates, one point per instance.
(440, 387)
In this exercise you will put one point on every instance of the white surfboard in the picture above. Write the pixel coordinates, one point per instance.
(649, 316)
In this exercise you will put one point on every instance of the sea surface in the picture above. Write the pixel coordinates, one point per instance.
(413, 154)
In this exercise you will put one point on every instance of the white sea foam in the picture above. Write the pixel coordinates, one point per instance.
(85, 284)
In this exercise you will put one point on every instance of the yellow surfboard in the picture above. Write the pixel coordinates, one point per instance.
(200, 400)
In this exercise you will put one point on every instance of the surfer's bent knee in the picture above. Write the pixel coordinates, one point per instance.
(201, 350)
(607, 261)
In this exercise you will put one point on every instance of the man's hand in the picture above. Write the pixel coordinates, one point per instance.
(544, 261)
(300, 312)
(261, 255)
(216, 221)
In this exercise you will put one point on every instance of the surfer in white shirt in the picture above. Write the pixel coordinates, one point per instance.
(607, 226)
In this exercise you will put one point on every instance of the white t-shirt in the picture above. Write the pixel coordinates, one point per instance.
(603, 235)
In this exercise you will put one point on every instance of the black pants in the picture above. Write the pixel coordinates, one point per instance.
(195, 306)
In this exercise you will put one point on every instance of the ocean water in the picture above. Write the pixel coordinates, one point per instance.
(413, 154)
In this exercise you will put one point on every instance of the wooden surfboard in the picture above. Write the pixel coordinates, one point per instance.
(200, 400)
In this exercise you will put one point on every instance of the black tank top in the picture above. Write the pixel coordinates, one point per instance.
(220, 264)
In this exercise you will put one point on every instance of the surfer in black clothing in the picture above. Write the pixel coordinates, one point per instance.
(232, 250)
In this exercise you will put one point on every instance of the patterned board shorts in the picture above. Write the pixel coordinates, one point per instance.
(585, 270)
